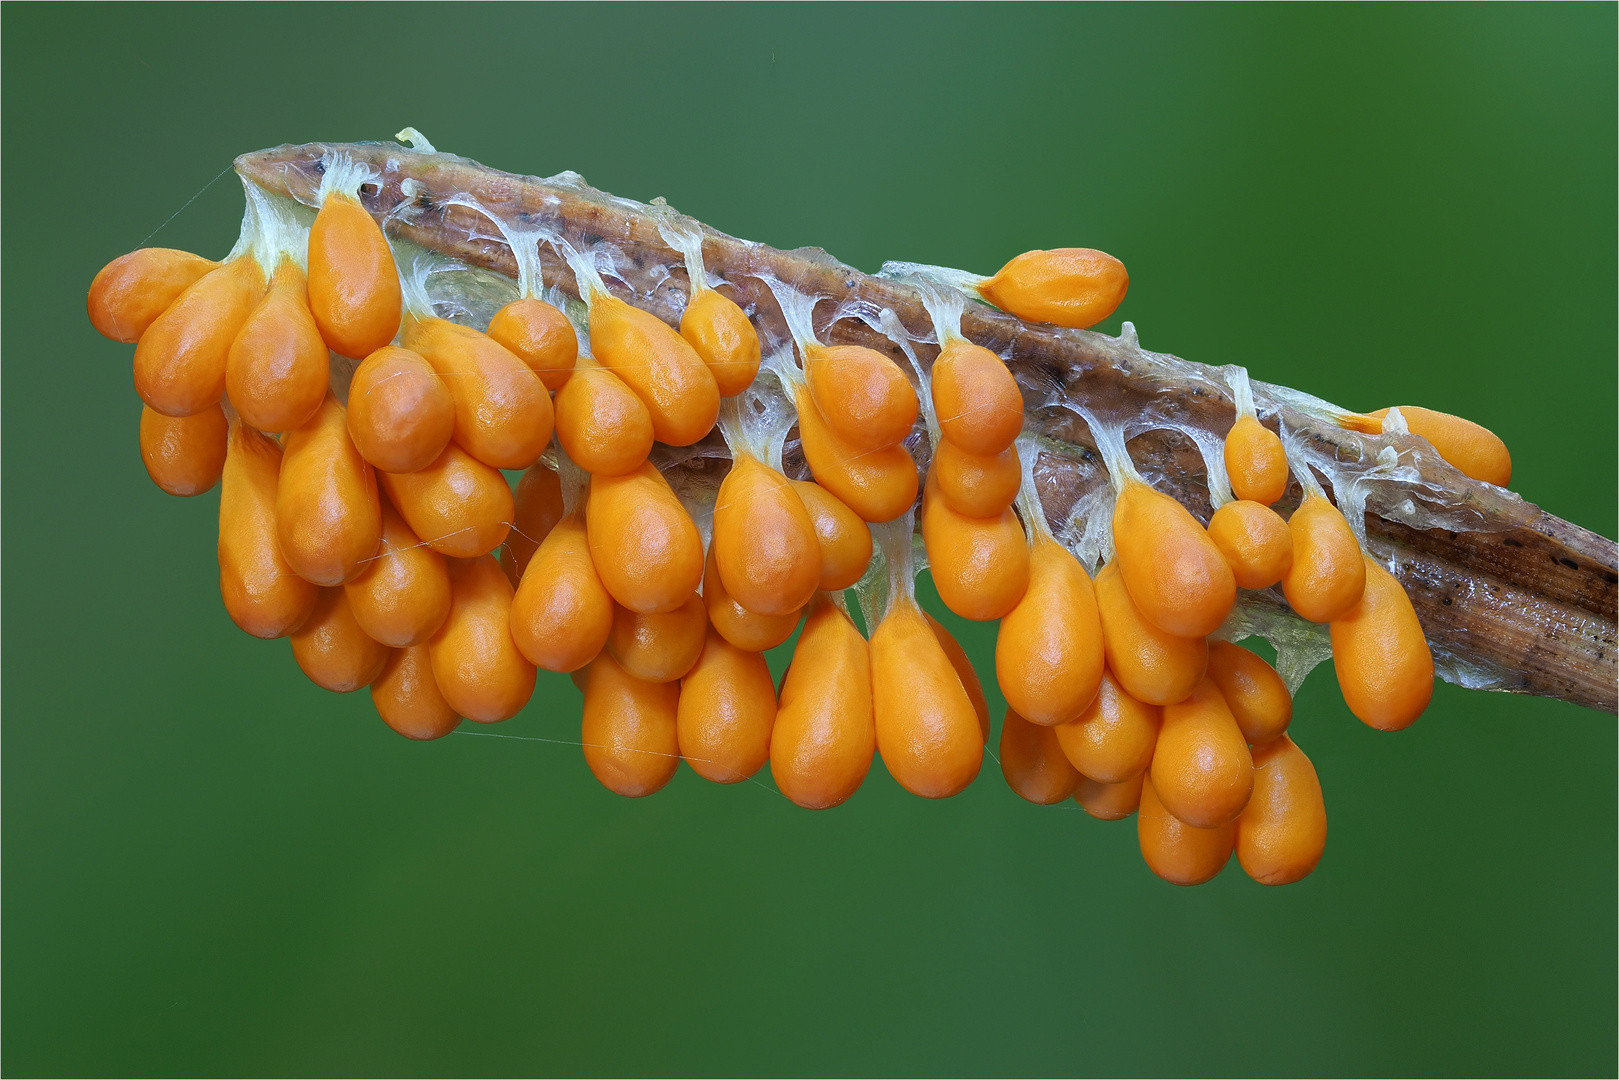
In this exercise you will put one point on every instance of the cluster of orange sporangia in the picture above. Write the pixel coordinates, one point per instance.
(372, 525)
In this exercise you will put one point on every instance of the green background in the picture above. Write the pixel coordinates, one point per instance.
(211, 866)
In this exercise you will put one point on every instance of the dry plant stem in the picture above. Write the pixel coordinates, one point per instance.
(1517, 600)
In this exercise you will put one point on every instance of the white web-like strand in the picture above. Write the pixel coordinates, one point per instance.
(1299, 645)
(1212, 448)
(756, 421)
(960, 281)
(416, 267)
(780, 363)
(685, 236)
(1112, 444)
(1294, 448)
(1089, 532)
(586, 267)
(1028, 497)
(871, 591)
(1242, 391)
(944, 294)
(342, 175)
(889, 325)
(273, 227)
(897, 556)
(523, 241)
(798, 312)
(578, 316)
(437, 286)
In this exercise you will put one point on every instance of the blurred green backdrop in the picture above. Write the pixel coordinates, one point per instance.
(211, 866)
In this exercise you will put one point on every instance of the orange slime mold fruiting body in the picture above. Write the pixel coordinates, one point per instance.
(1256, 543)
(1201, 767)
(129, 293)
(723, 337)
(862, 395)
(1110, 802)
(1049, 650)
(180, 359)
(981, 566)
(844, 539)
(401, 414)
(979, 406)
(1327, 574)
(540, 336)
(643, 543)
(184, 455)
(661, 647)
(726, 712)
(1282, 833)
(407, 698)
(975, 485)
(503, 414)
(1077, 287)
(1153, 666)
(562, 615)
(276, 371)
(600, 422)
(765, 542)
(1033, 763)
(1384, 665)
(332, 649)
(927, 730)
(747, 630)
(328, 517)
(354, 289)
(1255, 461)
(262, 594)
(1476, 451)
(1177, 577)
(824, 735)
(1113, 739)
(458, 506)
(665, 372)
(879, 485)
(400, 596)
(1252, 689)
(1176, 851)
(475, 662)
(630, 729)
